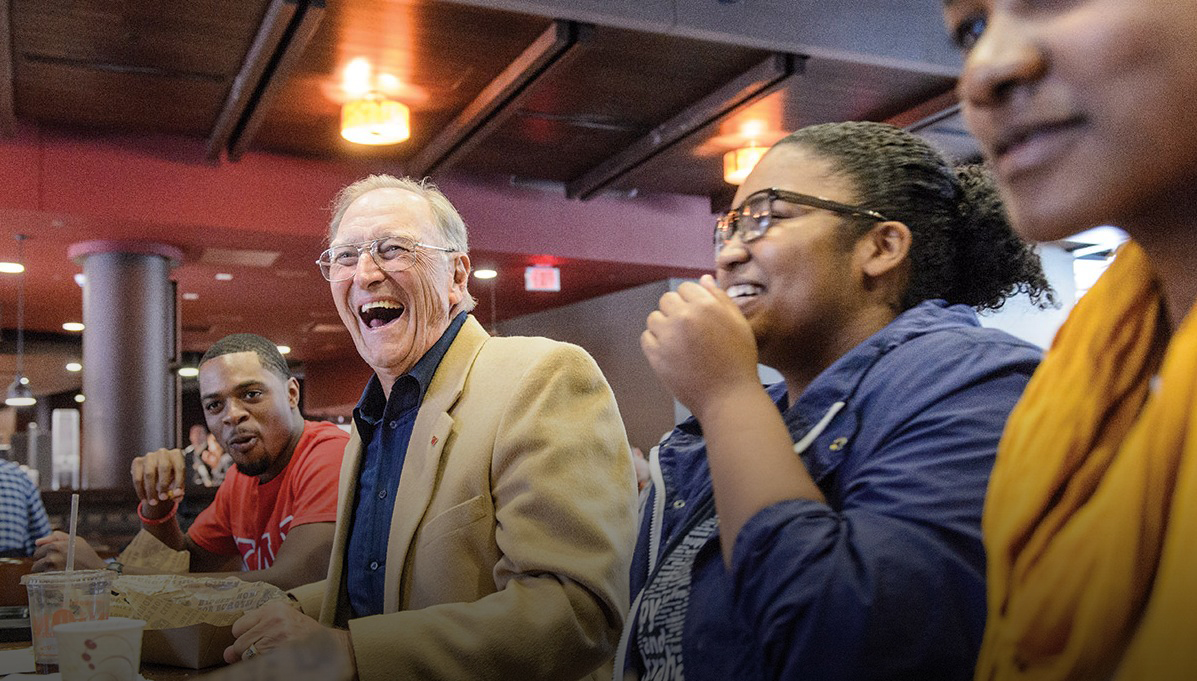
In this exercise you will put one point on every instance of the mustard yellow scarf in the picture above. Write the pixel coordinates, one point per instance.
(1091, 519)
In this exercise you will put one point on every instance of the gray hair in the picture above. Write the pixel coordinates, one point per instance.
(446, 217)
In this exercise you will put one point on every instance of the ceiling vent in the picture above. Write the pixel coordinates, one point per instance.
(239, 257)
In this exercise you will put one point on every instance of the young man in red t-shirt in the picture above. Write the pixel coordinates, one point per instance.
(272, 519)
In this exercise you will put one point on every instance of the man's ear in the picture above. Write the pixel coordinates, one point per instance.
(884, 248)
(459, 287)
(293, 392)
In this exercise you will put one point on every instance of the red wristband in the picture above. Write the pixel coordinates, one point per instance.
(157, 521)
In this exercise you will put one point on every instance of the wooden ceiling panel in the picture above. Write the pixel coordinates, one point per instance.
(826, 90)
(133, 65)
(620, 85)
(77, 96)
(542, 149)
(440, 54)
(209, 37)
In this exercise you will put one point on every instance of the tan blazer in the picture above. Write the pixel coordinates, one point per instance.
(513, 528)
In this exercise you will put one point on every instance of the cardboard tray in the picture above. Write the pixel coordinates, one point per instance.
(193, 647)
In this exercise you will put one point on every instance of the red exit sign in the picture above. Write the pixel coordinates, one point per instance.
(541, 278)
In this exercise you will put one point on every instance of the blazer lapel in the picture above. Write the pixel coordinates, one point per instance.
(429, 433)
(336, 593)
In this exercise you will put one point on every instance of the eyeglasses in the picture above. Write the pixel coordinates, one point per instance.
(754, 217)
(390, 254)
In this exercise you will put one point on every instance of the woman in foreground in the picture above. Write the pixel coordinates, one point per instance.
(835, 533)
(1086, 110)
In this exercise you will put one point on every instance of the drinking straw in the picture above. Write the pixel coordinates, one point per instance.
(70, 563)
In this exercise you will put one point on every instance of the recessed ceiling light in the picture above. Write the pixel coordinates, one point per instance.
(188, 372)
(11, 267)
(74, 366)
(485, 274)
(223, 276)
(284, 349)
(79, 398)
(80, 279)
(190, 296)
(72, 326)
(24, 380)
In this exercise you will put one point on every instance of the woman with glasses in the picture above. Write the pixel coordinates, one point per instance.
(1086, 111)
(828, 527)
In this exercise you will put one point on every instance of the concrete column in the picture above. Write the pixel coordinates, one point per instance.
(128, 345)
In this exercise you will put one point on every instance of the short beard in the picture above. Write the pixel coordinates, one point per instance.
(254, 468)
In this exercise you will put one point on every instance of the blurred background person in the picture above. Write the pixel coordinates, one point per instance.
(1085, 109)
(828, 527)
(23, 517)
(205, 458)
(213, 463)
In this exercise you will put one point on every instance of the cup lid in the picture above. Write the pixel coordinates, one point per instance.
(109, 624)
(62, 577)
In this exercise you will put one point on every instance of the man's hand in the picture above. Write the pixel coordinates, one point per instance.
(274, 625)
(158, 476)
(699, 344)
(52, 551)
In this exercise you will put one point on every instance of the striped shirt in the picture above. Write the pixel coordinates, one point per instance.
(22, 516)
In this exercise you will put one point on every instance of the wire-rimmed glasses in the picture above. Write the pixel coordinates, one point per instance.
(389, 253)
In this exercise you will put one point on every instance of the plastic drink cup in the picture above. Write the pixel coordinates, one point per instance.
(60, 597)
(100, 649)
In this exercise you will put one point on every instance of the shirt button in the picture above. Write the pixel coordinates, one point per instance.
(373, 565)
(680, 503)
(394, 424)
(382, 494)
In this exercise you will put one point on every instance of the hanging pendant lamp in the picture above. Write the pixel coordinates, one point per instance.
(19, 393)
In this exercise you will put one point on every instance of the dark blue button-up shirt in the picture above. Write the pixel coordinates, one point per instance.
(385, 426)
(886, 579)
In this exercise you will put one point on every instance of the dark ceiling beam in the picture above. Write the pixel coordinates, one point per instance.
(741, 91)
(500, 98)
(8, 115)
(286, 57)
(927, 112)
(274, 25)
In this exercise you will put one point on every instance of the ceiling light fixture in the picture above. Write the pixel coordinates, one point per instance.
(74, 367)
(284, 349)
(737, 163)
(485, 273)
(189, 372)
(375, 120)
(72, 326)
(11, 268)
(19, 394)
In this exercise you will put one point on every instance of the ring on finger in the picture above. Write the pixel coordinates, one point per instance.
(250, 652)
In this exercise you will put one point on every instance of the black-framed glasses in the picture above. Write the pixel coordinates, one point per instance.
(390, 253)
(754, 216)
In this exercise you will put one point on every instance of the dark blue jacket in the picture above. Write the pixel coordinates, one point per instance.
(885, 580)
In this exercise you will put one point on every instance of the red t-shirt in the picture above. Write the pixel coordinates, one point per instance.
(253, 519)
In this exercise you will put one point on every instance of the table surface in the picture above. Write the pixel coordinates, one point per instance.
(151, 672)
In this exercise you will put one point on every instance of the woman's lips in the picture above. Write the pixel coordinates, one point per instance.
(1027, 148)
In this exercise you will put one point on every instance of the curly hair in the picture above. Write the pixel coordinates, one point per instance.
(963, 249)
(266, 351)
